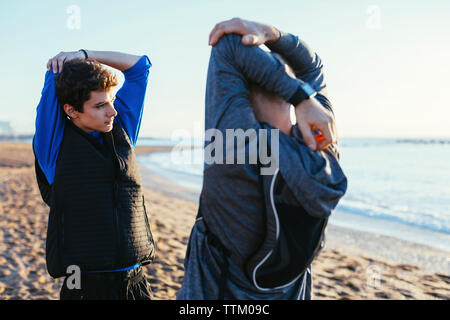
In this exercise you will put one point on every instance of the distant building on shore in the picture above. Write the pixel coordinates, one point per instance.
(6, 129)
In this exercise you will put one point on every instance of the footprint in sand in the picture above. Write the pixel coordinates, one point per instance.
(383, 295)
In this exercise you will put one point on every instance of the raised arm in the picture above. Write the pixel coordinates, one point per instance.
(130, 98)
(117, 60)
(49, 128)
(231, 66)
(307, 66)
(50, 121)
(305, 63)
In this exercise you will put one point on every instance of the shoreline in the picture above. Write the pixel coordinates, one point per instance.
(341, 271)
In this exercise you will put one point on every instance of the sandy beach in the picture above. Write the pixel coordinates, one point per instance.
(353, 265)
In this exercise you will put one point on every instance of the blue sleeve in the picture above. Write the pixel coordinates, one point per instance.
(231, 66)
(129, 101)
(305, 63)
(49, 128)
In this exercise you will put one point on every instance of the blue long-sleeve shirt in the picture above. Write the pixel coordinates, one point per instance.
(50, 118)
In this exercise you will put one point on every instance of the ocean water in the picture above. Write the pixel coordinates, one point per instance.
(396, 187)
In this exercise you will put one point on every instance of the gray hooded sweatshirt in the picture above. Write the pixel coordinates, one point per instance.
(260, 223)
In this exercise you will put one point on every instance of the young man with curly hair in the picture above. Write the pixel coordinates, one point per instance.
(87, 173)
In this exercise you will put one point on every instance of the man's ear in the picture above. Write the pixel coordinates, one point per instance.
(70, 111)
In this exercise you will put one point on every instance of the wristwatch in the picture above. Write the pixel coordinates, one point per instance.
(305, 91)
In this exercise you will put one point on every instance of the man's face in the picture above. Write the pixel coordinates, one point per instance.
(98, 112)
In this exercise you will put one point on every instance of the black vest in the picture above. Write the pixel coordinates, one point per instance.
(97, 219)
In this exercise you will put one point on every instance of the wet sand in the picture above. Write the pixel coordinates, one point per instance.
(345, 269)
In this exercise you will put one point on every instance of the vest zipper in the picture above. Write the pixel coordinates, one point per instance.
(117, 224)
(116, 167)
(61, 225)
(147, 225)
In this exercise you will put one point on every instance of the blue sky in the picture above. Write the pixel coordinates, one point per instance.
(386, 62)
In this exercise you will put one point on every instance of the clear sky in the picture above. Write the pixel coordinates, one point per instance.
(386, 62)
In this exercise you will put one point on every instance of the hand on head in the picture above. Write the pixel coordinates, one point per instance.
(57, 62)
(253, 33)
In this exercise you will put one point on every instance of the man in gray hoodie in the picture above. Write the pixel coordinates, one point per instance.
(261, 223)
